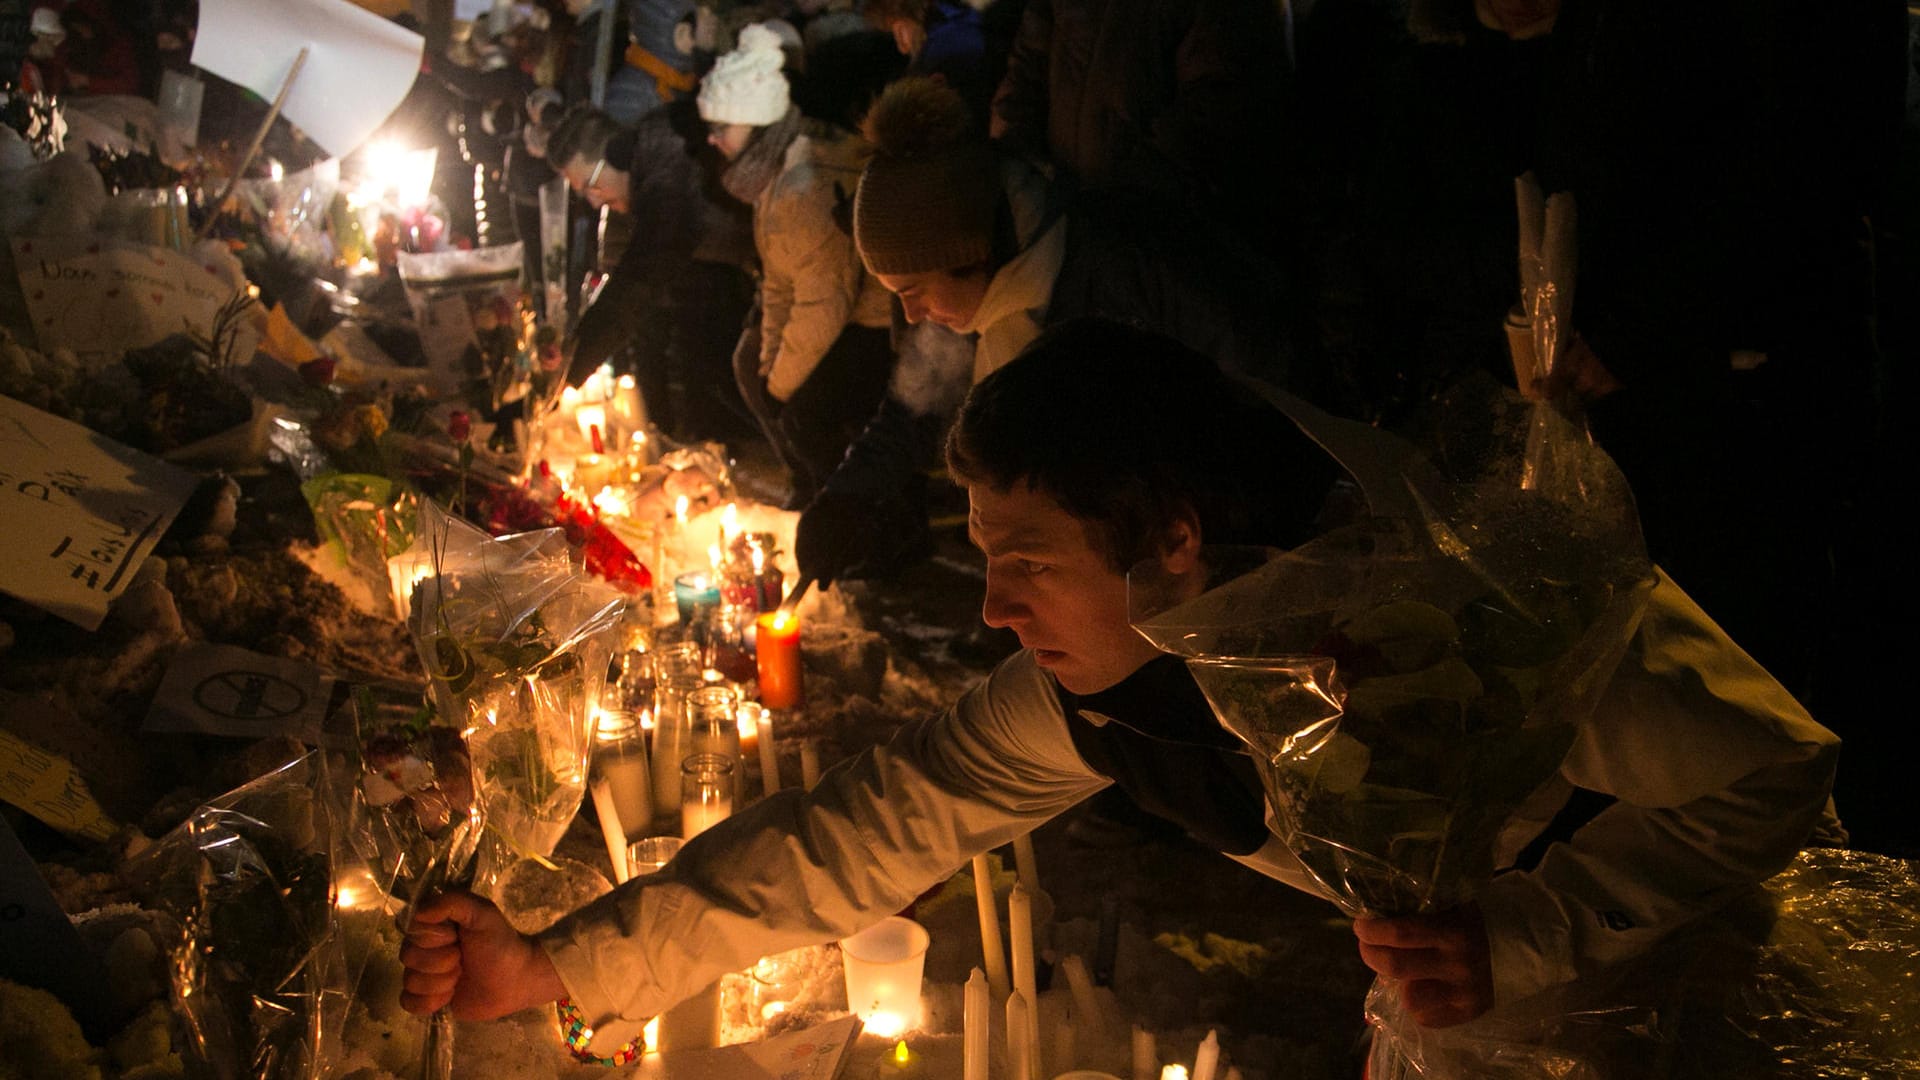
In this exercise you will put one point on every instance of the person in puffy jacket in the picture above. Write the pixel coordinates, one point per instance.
(814, 367)
(1103, 448)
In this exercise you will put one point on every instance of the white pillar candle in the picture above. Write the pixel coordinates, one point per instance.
(1020, 1049)
(1020, 925)
(769, 757)
(1206, 1060)
(1059, 1051)
(809, 765)
(993, 953)
(978, 1028)
(1146, 1056)
(1024, 864)
(1088, 1014)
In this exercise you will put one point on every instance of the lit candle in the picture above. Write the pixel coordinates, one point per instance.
(978, 1028)
(1146, 1056)
(1020, 925)
(1020, 1055)
(1206, 1060)
(1174, 1072)
(694, 593)
(992, 953)
(591, 472)
(593, 424)
(628, 407)
(612, 502)
(729, 523)
(809, 765)
(1024, 864)
(777, 656)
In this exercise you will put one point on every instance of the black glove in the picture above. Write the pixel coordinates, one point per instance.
(834, 535)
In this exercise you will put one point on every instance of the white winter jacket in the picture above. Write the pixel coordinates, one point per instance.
(1720, 777)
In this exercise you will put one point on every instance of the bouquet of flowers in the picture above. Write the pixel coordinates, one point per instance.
(516, 641)
(259, 974)
(1405, 681)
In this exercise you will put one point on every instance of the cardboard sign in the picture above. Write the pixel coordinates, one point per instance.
(78, 512)
(359, 66)
(223, 690)
(39, 946)
(101, 297)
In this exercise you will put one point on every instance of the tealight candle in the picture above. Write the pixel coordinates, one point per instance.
(591, 472)
(777, 658)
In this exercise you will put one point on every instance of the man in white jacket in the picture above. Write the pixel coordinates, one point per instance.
(1099, 448)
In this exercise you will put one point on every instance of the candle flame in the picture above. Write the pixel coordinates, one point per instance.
(611, 502)
(890, 1025)
(759, 556)
(729, 522)
(570, 398)
(680, 509)
(782, 620)
(646, 719)
(713, 556)
(900, 1054)
(1174, 1072)
(650, 1036)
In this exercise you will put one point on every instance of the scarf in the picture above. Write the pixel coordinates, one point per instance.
(749, 174)
(668, 81)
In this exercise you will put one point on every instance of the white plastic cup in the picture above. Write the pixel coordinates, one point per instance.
(883, 965)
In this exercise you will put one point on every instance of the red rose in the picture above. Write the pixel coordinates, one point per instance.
(460, 425)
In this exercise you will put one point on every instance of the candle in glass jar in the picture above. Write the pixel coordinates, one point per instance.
(591, 472)
(622, 798)
(777, 658)
(706, 793)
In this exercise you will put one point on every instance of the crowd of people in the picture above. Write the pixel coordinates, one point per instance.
(992, 237)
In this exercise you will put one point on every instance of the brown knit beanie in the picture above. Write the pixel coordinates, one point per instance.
(927, 197)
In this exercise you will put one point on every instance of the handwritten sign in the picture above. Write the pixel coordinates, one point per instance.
(45, 785)
(223, 690)
(101, 297)
(78, 512)
(39, 946)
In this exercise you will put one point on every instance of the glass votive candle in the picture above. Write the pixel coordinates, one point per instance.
(695, 593)
(652, 853)
(618, 778)
(883, 965)
(706, 792)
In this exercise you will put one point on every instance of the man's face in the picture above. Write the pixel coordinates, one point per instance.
(1047, 583)
(940, 296)
(597, 182)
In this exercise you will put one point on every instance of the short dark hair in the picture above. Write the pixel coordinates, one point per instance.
(583, 132)
(1128, 430)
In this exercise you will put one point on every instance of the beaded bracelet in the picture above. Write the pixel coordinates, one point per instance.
(576, 1033)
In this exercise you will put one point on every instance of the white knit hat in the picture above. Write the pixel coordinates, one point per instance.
(746, 86)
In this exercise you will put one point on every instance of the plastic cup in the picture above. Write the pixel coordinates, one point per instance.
(883, 965)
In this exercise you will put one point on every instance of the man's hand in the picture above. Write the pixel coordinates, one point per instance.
(462, 952)
(1441, 963)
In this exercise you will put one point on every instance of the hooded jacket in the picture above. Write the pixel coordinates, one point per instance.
(813, 283)
(1716, 777)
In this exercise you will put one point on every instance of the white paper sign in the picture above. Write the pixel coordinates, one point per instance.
(78, 512)
(101, 297)
(224, 690)
(359, 66)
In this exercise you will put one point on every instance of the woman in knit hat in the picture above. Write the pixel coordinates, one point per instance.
(976, 242)
(815, 367)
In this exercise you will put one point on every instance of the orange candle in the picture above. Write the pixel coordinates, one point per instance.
(778, 645)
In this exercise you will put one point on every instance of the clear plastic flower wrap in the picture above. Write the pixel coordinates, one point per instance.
(1815, 975)
(1405, 680)
(516, 641)
(259, 976)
